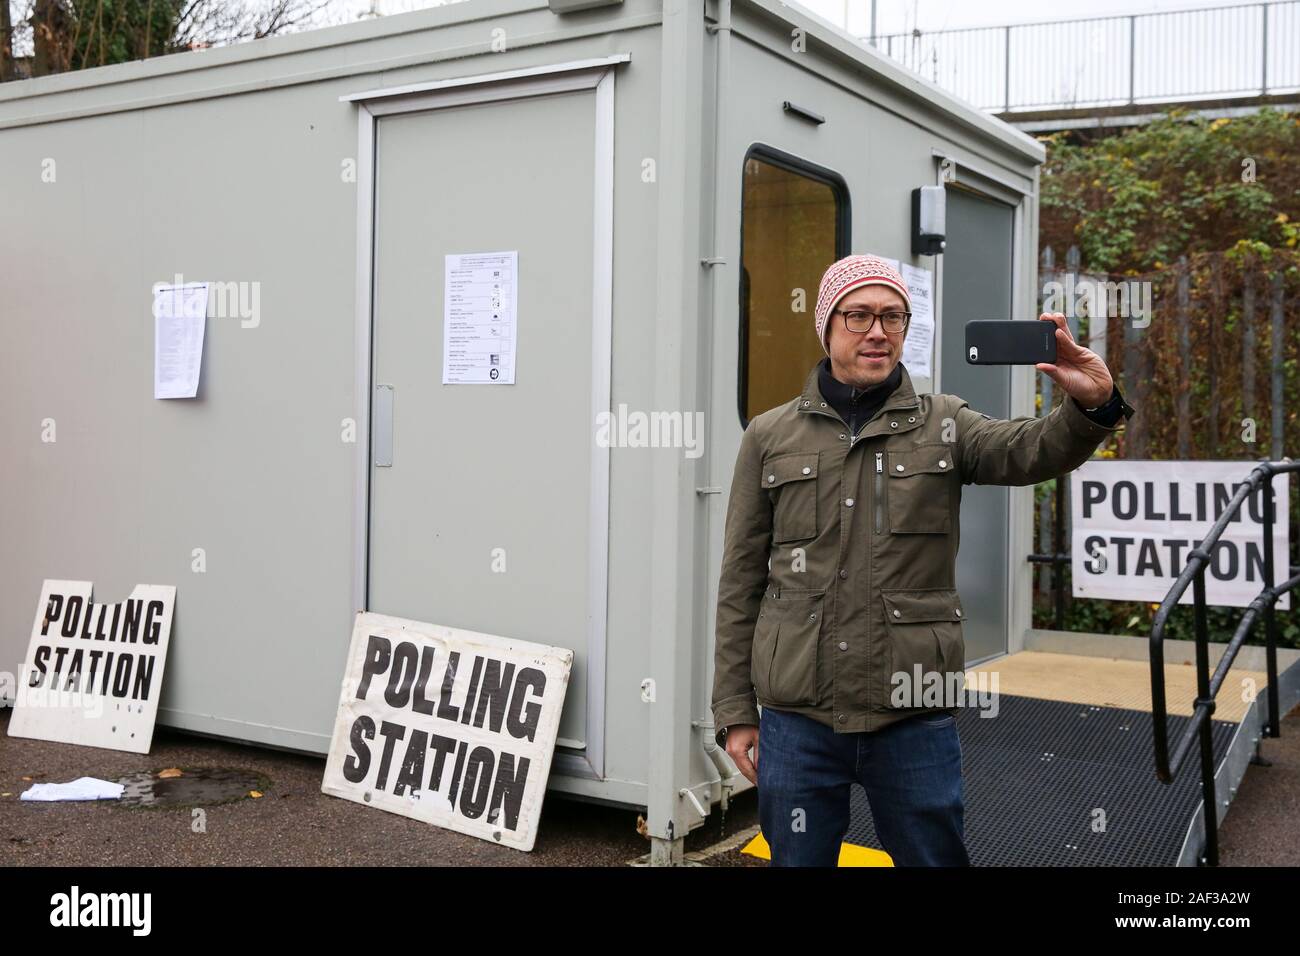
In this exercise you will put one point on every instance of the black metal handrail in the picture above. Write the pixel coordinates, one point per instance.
(1207, 687)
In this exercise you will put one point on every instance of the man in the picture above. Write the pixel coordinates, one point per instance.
(837, 606)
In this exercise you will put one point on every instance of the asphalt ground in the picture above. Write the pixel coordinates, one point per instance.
(293, 824)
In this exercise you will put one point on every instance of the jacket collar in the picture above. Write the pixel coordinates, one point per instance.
(837, 393)
(812, 399)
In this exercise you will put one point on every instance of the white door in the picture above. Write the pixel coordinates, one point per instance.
(488, 502)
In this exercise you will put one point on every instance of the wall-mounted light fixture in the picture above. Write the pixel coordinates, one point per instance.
(928, 220)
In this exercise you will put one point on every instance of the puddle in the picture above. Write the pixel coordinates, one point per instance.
(197, 787)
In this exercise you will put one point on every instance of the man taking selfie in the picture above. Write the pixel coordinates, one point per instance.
(838, 611)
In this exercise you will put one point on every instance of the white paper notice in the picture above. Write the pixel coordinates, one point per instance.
(480, 320)
(180, 313)
(918, 347)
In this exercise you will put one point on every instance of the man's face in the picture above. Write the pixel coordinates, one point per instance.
(860, 359)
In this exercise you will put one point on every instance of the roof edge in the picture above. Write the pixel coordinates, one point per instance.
(847, 48)
(285, 44)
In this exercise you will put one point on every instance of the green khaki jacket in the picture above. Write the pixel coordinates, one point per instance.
(861, 535)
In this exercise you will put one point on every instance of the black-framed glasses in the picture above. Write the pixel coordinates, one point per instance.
(861, 320)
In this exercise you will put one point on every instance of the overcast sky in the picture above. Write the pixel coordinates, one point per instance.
(900, 16)
(892, 16)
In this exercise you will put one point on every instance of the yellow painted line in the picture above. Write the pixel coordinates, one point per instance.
(850, 853)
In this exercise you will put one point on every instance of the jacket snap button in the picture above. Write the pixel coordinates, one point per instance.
(893, 424)
(899, 467)
(841, 718)
(843, 573)
(812, 617)
(897, 613)
(848, 502)
(771, 477)
(943, 464)
(823, 404)
(843, 436)
(959, 612)
(844, 646)
(807, 471)
(911, 418)
(806, 404)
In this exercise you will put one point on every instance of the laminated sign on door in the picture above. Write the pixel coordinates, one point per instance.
(452, 727)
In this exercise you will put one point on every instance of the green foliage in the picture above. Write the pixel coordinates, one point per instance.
(1180, 185)
(115, 31)
(1135, 619)
(1203, 210)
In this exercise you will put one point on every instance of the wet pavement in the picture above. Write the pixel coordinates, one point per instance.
(207, 816)
(241, 805)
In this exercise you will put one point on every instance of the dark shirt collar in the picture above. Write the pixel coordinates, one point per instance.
(840, 394)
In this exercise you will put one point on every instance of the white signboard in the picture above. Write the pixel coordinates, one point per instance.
(1135, 522)
(179, 316)
(93, 672)
(448, 726)
(918, 347)
(480, 322)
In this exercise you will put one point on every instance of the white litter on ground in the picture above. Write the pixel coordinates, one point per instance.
(83, 788)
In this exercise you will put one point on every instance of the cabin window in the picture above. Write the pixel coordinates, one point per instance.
(793, 225)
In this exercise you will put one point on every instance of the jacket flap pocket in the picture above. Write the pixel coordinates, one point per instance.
(923, 459)
(779, 469)
(908, 605)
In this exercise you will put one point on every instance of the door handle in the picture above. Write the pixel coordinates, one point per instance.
(382, 417)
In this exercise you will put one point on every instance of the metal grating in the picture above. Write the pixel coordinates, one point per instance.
(1036, 774)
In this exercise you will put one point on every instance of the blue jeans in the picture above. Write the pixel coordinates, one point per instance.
(911, 771)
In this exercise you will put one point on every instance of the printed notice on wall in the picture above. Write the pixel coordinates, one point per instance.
(918, 346)
(179, 315)
(452, 727)
(479, 318)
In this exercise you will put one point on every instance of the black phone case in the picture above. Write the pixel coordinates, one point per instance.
(1010, 342)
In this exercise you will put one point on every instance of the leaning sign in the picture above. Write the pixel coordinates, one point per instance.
(1136, 522)
(452, 727)
(94, 672)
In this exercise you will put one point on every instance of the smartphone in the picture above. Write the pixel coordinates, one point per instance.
(1010, 342)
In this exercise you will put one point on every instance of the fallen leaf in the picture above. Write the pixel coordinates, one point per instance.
(169, 773)
(255, 793)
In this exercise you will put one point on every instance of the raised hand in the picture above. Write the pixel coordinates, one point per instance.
(1079, 371)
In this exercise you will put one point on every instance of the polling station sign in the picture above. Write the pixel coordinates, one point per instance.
(1134, 524)
(449, 726)
(93, 672)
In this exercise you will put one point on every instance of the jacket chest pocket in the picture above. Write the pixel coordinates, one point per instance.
(791, 481)
(927, 651)
(920, 489)
(783, 662)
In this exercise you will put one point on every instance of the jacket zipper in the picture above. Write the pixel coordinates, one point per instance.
(880, 470)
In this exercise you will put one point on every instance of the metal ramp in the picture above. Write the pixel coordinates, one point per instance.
(1056, 783)
(1063, 774)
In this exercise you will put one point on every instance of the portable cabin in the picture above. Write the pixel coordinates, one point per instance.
(671, 174)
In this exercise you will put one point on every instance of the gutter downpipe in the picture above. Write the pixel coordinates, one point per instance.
(722, 30)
